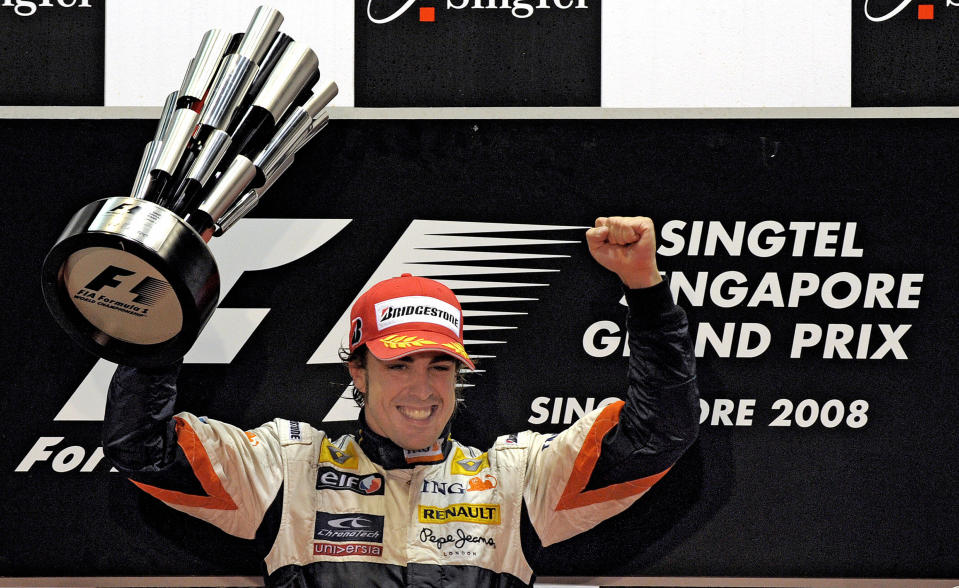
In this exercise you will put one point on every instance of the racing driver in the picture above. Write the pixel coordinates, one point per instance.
(400, 502)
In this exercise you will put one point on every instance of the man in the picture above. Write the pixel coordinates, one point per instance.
(401, 503)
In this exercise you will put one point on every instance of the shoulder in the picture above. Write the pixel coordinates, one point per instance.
(294, 432)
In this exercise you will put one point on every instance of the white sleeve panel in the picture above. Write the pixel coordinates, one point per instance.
(241, 472)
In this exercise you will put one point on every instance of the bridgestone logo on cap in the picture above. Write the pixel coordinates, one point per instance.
(417, 309)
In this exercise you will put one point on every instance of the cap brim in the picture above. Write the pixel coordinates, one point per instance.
(407, 342)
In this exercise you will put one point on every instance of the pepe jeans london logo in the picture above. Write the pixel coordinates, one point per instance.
(378, 11)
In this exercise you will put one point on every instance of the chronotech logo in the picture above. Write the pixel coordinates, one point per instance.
(383, 11)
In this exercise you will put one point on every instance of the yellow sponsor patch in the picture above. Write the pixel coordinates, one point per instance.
(456, 348)
(343, 458)
(405, 341)
(468, 466)
(484, 514)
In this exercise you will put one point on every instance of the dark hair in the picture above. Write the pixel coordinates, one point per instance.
(358, 357)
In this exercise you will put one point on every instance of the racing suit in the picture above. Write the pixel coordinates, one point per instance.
(362, 511)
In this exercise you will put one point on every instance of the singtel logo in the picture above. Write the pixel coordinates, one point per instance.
(427, 12)
(925, 12)
(29, 7)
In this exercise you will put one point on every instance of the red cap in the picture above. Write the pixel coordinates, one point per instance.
(404, 315)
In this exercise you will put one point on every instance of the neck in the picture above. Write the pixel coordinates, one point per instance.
(384, 451)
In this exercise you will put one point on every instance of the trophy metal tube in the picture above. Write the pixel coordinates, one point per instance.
(248, 201)
(242, 173)
(259, 33)
(319, 123)
(283, 142)
(243, 206)
(239, 69)
(272, 57)
(203, 167)
(234, 44)
(307, 90)
(152, 149)
(293, 129)
(317, 103)
(295, 68)
(203, 66)
(174, 143)
(230, 86)
(230, 185)
(290, 75)
(221, 197)
(209, 157)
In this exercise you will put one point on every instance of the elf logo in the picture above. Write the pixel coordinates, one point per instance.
(384, 11)
(332, 479)
(925, 11)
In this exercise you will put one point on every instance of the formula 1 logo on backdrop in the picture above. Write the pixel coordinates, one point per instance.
(383, 11)
(925, 11)
(426, 248)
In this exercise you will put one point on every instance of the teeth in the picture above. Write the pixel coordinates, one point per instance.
(418, 414)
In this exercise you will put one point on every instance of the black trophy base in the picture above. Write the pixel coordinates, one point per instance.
(131, 282)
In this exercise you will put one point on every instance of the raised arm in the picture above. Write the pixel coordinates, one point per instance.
(610, 457)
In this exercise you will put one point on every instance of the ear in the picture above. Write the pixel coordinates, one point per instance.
(359, 376)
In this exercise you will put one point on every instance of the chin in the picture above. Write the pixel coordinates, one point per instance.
(415, 444)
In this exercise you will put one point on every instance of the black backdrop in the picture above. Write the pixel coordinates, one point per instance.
(811, 501)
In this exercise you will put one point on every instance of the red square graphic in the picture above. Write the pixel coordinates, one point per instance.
(926, 11)
(428, 14)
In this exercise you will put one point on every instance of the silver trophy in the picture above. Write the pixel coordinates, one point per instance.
(131, 278)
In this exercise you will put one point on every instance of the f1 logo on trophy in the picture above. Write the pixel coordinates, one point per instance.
(131, 279)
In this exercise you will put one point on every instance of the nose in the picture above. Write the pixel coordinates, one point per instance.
(419, 384)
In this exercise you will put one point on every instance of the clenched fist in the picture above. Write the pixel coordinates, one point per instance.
(626, 246)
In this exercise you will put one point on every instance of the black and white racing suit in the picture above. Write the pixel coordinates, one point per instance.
(360, 511)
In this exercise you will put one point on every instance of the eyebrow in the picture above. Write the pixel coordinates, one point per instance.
(436, 359)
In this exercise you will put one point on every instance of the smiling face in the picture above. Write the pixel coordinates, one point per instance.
(409, 399)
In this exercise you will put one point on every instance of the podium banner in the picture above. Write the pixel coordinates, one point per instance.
(816, 260)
